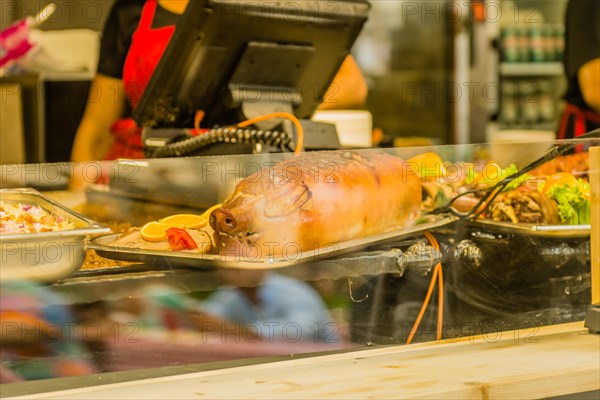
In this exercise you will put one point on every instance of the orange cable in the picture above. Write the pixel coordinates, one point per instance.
(198, 117)
(436, 276)
(440, 280)
(295, 121)
(423, 307)
(440, 303)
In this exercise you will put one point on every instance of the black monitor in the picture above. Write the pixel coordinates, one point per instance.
(236, 59)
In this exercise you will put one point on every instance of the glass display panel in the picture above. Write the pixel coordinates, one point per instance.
(151, 305)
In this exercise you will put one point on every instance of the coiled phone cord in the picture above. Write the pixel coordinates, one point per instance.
(191, 145)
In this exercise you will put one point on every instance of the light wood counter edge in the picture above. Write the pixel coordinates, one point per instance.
(594, 177)
(528, 363)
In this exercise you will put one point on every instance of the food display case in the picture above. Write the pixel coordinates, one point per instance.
(143, 309)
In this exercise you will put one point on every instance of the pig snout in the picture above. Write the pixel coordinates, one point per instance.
(223, 221)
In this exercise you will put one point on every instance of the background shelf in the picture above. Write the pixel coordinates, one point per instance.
(531, 69)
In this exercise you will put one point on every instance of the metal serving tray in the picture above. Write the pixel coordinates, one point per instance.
(548, 231)
(183, 259)
(46, 256)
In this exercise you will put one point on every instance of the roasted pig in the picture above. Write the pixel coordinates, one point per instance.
(316, 200)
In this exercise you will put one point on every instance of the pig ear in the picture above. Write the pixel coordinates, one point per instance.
(286, 199)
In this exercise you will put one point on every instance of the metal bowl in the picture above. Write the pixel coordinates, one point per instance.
(45, 256)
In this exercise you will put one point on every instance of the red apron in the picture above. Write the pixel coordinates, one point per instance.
(576, 121)
(147, 47)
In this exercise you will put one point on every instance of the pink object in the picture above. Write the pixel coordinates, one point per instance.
(7, 376)
(14, 42)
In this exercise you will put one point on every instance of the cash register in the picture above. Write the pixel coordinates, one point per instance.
(231, 61)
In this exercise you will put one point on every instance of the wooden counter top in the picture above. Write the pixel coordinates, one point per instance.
(531, 363)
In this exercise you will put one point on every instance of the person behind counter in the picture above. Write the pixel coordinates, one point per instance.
(582, 69)
(134, 38)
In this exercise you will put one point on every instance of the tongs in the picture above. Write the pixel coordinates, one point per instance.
(492, 192)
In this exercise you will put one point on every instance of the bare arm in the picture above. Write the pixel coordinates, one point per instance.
(589, 82)
(105, 105)
(349, 88)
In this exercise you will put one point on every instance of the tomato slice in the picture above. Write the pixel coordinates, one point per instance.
(179, 239)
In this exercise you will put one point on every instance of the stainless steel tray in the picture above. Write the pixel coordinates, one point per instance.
(109, 204)
(549, 231)
(182, 259)
(45, 256)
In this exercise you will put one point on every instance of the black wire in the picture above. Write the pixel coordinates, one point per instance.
(224, 135)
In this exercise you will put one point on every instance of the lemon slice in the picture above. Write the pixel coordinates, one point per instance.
(192, 221)
(156, 231)
(428, 165)
(559, 179)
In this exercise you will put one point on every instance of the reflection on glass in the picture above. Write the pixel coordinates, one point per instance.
(149, 324)
(38, 336)
(122, 316)
(271, 306)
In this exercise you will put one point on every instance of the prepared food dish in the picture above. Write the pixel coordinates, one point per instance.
(555, 193)
(442, 181)
(41, 240)
(26, 218)
(190, 240)
(179, 232)
(315, 200)
(560, 198)
(528, 206)
(305, 203)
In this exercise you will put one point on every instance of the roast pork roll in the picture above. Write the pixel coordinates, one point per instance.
(316, 200)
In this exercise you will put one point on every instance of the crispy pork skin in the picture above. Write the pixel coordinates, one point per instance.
(316, 200)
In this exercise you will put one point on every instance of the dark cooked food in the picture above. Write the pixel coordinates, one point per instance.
(524, 206)
(316, 200)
